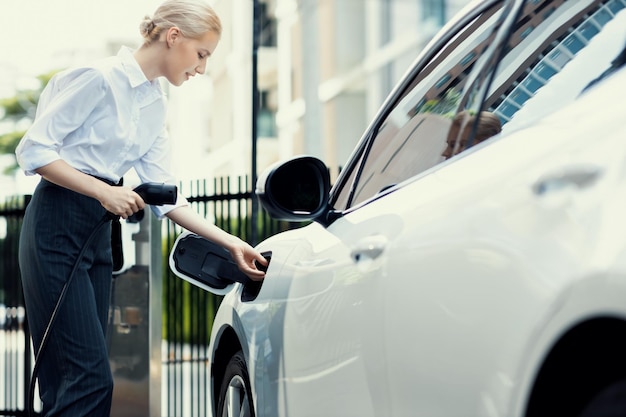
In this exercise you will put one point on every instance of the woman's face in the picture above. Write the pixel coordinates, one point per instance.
(453, 137)
(187, 57)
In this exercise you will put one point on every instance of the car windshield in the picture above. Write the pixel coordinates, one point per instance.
(537, 71)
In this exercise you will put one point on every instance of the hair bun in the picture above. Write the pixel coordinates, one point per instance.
(146, 27)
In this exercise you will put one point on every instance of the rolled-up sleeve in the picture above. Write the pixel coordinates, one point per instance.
(64, 105)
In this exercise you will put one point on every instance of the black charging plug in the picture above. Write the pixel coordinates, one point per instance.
(157, 194)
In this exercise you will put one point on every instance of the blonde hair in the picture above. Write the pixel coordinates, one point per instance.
(194, 18)
(488, 124)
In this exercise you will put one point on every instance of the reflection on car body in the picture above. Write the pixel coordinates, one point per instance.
(467, 285)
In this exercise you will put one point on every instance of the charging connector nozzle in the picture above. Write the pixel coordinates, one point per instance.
(156, 194)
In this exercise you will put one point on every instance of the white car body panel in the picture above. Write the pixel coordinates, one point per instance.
(337, 327)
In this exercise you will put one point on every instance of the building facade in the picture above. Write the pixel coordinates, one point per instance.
(324, 67)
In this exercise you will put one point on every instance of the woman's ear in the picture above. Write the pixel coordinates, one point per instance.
(172, 36)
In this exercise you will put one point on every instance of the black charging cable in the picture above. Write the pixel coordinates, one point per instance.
(154, 194)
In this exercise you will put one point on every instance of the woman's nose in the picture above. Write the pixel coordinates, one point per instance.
(201, 68)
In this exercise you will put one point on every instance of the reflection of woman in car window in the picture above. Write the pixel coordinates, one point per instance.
(461, 128)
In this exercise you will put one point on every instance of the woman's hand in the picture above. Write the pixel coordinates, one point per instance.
(122, 201)
(245, 255)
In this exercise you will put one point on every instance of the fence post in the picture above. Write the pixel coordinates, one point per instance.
(135, 324)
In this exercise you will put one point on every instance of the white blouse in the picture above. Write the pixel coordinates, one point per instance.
(102, 119)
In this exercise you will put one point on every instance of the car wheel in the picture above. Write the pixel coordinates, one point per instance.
(610, 402)
(235, 395)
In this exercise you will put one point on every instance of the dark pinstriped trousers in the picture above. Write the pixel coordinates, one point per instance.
(74, 375)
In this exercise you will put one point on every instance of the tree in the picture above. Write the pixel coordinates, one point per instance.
(20, 110)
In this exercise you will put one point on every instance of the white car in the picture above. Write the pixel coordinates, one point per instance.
(438, 281)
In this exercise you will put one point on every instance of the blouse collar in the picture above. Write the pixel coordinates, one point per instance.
(136, 77)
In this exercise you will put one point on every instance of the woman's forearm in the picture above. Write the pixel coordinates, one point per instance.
(61, 173)
(121, 201)
(192, 221)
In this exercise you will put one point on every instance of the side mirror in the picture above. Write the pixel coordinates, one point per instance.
(295, 190)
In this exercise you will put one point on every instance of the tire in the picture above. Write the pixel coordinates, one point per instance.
(610, 402)
(235, 394)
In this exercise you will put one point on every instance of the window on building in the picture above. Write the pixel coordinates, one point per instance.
(434, 11)
(267, 27)
(266, 115)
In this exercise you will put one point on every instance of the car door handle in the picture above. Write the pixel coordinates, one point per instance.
(579, 177)
(370, 247)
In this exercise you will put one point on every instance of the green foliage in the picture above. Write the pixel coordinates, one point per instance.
(9, 141)
(19, 107)
(45, 78)
(445, 105)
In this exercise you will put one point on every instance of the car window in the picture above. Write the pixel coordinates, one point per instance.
(542, 59)
(412, 135)
(553, 50)
(553, 53)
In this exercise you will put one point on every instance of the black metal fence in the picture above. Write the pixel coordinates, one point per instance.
(188, 311)
(15, 348)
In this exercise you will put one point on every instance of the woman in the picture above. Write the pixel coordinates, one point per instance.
(488, 125)
(92, 125)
